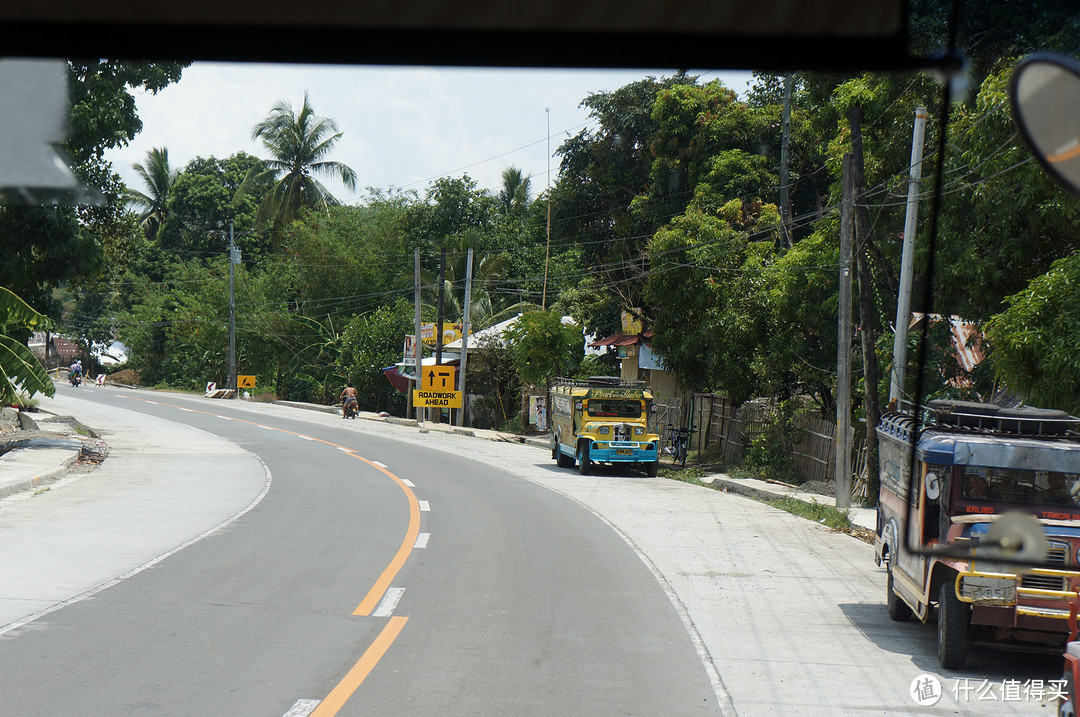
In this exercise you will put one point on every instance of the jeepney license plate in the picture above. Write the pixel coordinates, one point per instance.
(623, 452)
(987, 593)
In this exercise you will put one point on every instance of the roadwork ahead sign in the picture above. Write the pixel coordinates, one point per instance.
(437, 388)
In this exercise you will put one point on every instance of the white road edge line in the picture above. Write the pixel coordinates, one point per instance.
(150, 563)
(389, 602)
(422, 540)
(302, 708)
(424, 506)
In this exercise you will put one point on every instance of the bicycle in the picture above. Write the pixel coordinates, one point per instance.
(677, 440)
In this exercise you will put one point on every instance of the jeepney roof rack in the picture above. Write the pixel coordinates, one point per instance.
(984, 418)
(598, 382)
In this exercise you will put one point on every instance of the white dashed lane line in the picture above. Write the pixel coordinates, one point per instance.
(424, 506)
(389, 602)
(422, 540)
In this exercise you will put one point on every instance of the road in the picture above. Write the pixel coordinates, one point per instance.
(520, 588)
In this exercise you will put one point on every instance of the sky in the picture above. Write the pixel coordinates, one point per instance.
(402, 127)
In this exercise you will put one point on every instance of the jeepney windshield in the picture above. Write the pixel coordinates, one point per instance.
(613, 408)
(1015, 485)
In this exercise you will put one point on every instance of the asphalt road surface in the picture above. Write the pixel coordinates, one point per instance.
(519, 602)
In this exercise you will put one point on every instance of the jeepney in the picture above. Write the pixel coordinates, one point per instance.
(602, 420)
(977, 465)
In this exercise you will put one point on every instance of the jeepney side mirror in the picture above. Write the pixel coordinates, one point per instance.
(1045, 97)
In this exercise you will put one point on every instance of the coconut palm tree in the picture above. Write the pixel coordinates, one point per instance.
(514, 195)
(158, 177)
(298, 142)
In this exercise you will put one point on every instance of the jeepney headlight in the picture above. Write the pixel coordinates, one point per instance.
(639, 430)
(604, 430)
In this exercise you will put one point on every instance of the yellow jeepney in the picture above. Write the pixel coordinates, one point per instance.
(602, 420)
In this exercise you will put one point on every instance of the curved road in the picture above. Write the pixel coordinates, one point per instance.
(509, 598)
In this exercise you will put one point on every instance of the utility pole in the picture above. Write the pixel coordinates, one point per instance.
(465, 339)
(785, 161)
(547, 254)
(867, 313)
(418, 344)
(843, 347)
(233, 260)
(907, 262)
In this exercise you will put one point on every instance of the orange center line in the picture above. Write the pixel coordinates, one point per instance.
(379, 588)
(353, 679)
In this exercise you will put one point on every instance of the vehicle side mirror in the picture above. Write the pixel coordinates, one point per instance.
(1045, 98)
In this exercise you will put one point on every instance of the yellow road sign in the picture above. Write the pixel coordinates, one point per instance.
(438, 378)
(245, 382)
(425, 398)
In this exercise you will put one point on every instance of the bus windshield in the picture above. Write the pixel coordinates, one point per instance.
(614, 408)
(1015, 485)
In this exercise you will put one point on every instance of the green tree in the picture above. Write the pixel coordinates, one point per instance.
(371, 343)
(514, 195)
(1035, 342)
(158, 177)
(203, 201)
(299, 142)
(19, 368)
(544, 346)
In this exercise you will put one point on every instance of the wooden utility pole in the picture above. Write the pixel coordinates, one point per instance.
(867, 314)
(843, 345)
(785, 161)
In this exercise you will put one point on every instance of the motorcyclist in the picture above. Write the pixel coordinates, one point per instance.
(348, 396)
(75, 372)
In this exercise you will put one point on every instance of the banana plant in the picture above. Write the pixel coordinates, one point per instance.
(20, 369)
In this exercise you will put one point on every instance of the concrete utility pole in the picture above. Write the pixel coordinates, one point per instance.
(907, 262)
(547, 254)
(465, 340)
(418, 344)
(843, 346)
(233, 260)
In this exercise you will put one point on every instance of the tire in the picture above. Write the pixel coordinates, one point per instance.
(681, 457)
(953, 619)
(561, 459)
(584, 465)
(652, 468)
(898, 609)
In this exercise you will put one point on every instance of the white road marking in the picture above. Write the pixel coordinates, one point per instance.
(302, 708)
(424, 506)
(383, 465)
(186, 409)
(343, 449)
(225, 418)
(389, 602)
(421, 540)
(406, 481)
(306, 438)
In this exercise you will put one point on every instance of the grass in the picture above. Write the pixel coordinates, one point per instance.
(826, 515)
(690, 474)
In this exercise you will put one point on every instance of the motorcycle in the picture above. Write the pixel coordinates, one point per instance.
(75, 379)
(350, 408)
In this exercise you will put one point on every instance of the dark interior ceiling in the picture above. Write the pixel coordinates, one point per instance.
(744, 34)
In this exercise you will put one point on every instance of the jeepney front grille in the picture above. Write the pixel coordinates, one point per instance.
(1056, 555)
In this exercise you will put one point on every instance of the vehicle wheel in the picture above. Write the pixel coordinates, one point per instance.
(952, 628)
(555, 448)
(584, 465)
(652, 468)
(898, 609)
(682, 455)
